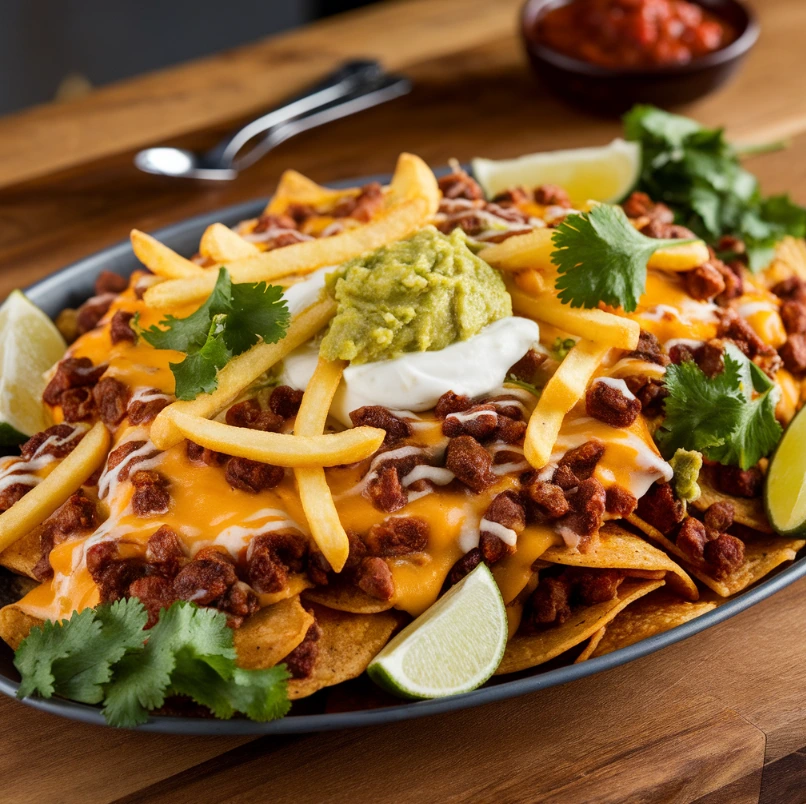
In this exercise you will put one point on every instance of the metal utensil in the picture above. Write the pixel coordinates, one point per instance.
(355, 86)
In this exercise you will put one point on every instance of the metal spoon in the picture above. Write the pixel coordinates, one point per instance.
(355, 86)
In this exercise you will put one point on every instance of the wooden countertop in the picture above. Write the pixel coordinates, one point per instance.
(718, 718)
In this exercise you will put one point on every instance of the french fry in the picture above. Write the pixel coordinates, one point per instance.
(220, 243)
(294, 188)
(597, 325)
(562, 392)
(281, 449)
(174, 293)
(411, 201)
(314, 492)
(680, 258)
(241, 372)
(161, 260)
(532, 250)
(531, 282)
(42, 500)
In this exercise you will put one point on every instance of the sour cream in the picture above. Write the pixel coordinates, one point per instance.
(306, 292)
(416, 381)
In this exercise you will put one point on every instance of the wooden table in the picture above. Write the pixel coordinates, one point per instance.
(719, 718)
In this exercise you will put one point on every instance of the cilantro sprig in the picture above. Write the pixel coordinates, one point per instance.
(103, 655)
(233, 319)
(729, 418)
(601, 257)
(699, 175)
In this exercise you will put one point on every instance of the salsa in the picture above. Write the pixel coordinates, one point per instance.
(632, 34)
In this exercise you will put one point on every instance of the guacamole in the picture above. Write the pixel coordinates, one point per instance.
(417, 295)
(686, 466)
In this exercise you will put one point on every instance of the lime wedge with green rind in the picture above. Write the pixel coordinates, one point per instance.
(604, 174)
(31, 344)
(785, 487)
(454, 647)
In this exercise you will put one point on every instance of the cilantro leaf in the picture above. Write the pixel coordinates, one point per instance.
(757, 431)
(700, 411)
(142, 680)
(602, 258)
(74, 658)
(698, 173)
(47, 644)
(232, 320)
(258, 311)
(198, 372)
(104, 654)
(729, 418)
(188, 334)
(225, 689)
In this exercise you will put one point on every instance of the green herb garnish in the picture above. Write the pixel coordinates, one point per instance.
(601, 257)
(561, 347)
(527, 386)
(698, 174)
(103, 655)
(729, 418)
(232, 320)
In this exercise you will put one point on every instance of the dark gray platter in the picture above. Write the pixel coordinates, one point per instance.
(68, 288)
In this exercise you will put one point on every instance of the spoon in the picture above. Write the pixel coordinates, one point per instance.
(355, 86)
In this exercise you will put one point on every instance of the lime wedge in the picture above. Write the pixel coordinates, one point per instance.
(454, 647)
(604, 174)
(785, 489)
(31, 344)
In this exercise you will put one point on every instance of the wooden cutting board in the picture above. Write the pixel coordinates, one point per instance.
(719, 718)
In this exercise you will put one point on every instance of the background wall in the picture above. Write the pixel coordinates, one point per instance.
(61, 47)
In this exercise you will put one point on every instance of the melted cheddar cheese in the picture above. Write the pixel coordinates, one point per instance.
(668, 312)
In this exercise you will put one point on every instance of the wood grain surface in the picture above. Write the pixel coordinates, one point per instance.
(718, 718)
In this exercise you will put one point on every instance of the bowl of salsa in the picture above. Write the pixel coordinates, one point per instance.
(608, 55)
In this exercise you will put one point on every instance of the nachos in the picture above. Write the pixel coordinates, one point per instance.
(268, 458)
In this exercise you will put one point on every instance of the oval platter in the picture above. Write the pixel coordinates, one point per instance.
(71, 286)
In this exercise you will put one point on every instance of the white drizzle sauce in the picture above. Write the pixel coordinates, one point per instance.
(146, 394)
(505, 534)
(17, 470)
(436, 474)
(469, 416)
(109, 481)
(648, 466)
(619, 385)
(236, 537)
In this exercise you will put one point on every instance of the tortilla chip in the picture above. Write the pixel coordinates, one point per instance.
(746, 512)
(271, 633)
(617, 548)
(652, 615)
(349, 642)
(15, 625)
(591, 646)
(346, 597)
(525, 651)
(761, 557)
(24, 554)
(514, 609)
(514, 612)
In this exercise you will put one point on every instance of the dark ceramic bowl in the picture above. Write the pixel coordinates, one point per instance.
(613, 91)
